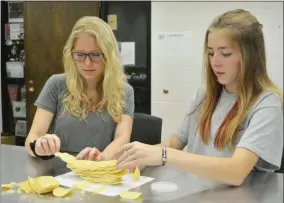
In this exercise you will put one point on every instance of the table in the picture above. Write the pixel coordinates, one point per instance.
(259, 187)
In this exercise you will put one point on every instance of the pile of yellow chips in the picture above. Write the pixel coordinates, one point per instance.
(103, 172)
(39, 185)
(8, 188)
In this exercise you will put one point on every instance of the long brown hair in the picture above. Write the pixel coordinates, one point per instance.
(245, 32)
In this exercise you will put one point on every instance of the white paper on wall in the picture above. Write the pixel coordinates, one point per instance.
(19, 109)
(177, 44)
(15, 69)
(127, 52)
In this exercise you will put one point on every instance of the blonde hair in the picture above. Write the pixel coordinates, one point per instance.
(111, 88)
(246, 34)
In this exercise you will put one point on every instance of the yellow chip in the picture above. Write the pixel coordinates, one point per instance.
(136, 175)
(61, 192)
(82, 185)
(99, 189)
(98, 176)
(9, 186)
(83, 165)
(19, 190)
(43, 184)
(65, 157)
(130, 195)
(26, 187)
(31, 183)
(103, 181)
(102, 173)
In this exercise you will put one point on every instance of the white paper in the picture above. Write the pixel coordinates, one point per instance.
(16, 27)
(15, 35)
(69, 179)
(177, 44)
(15, 69)
(21, 128)
(127, 52)
(19, 109)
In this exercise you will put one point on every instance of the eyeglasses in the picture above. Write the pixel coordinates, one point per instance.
(94, 56)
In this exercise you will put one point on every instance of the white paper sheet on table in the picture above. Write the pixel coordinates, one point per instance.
(68, 179)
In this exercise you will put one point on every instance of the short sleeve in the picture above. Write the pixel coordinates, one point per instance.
(182, 133)
(48, 97)
(129, 101)
(264, 133)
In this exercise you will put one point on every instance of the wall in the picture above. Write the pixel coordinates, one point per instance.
(1, 119)
(182, 75)
(135, 16)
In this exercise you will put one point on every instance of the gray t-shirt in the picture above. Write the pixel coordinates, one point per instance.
(75, 134)
(261, 132)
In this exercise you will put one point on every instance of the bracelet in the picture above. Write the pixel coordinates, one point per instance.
(164, 155)
(32, 146)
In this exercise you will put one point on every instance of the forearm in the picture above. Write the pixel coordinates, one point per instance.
(122, 136)
(219, 169)
(111, 149)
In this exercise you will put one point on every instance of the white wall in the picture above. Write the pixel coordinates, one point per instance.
(182, 75)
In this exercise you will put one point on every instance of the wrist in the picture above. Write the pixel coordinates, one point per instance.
(164, 154)
(33, 149)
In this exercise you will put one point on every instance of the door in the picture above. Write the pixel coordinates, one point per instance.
(47, 26)
(135, 17)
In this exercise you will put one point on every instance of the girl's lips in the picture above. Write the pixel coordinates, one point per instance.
(89, 70)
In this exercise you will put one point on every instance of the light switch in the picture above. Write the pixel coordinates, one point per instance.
(112, 21)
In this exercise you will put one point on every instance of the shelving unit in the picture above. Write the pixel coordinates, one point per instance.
(12, 71)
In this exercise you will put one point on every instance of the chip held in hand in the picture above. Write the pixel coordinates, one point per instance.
(136, 174)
